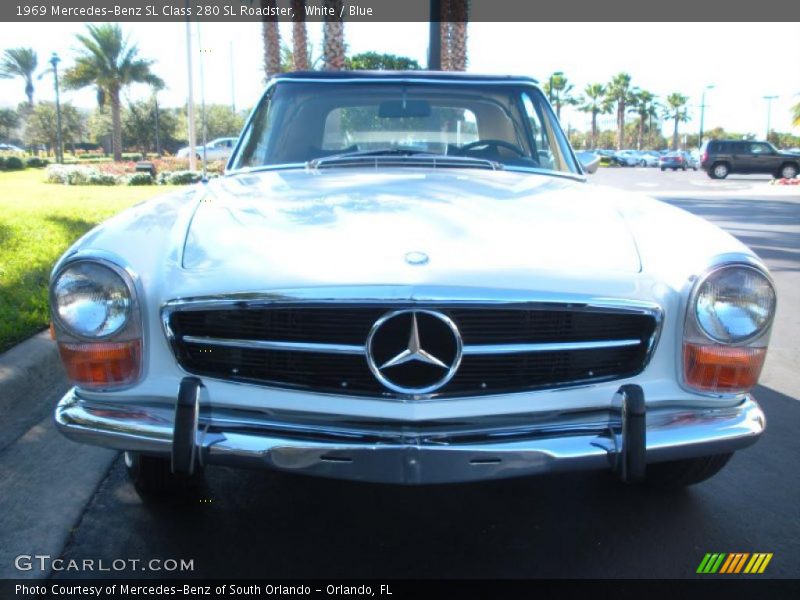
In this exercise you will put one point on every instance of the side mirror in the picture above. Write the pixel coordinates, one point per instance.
(589, 161)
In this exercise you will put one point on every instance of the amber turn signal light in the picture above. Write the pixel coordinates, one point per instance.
(101, 364)
(714, 368)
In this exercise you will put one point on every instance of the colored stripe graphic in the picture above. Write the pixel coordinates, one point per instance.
(711, 563)
(758, 563)
(728, 564)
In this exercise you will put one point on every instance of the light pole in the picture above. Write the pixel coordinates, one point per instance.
(54, 60)
(769, 100)
(703, 113)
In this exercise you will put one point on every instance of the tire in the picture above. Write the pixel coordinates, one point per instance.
(683, 168)
(719, 171)
(153, 476)
(643, 164)
(681, 473)
(788, 171)
(663, 169)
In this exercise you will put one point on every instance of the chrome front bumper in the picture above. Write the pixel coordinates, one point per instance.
(401, 453)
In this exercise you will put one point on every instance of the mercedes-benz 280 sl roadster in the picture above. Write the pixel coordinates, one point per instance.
(406, 278)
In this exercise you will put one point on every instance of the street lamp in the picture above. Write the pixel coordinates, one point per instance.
(54, 60)
(703, 113)
(769, 100)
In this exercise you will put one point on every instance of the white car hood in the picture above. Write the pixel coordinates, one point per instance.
(354, 226)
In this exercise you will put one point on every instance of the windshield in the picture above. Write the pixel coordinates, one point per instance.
(301, 122)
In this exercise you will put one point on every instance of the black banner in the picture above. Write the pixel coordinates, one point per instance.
(387, 10)
(80, 589)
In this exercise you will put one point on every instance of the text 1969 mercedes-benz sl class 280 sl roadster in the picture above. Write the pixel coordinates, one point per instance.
(405, 278)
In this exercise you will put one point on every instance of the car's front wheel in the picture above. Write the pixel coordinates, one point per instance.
(788, 172)
(663, 169)
(680, 473)
(152, 475)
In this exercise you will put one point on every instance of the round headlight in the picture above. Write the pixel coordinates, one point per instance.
(735, 304)
(91, 300)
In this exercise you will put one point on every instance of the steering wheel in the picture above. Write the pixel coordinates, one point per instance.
(493, 144)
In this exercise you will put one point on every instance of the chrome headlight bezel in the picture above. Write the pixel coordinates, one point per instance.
(130, 327)
(694, 327)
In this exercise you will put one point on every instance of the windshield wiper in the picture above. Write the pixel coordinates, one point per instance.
(404, 157)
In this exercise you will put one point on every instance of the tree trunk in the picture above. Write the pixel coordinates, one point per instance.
(333, 37)
(299, 36)
(458, 42)
(641, 130)
(453, 25)
(446, 51)
(594, 128)
(620, 124)
(675, 133)
(116, 124)
(272, 42)
(29, 93)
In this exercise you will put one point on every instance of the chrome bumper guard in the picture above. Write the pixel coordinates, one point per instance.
(623, 439)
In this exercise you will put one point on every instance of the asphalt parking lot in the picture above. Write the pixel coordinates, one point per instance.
(75, 501)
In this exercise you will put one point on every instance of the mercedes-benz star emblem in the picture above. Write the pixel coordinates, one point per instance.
(414, 351)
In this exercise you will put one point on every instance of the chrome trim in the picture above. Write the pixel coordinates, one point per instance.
(136, 321)
(276, 345)
(474, 349)
(549, 347)
(408, 457)
(690, 324)
(691, 316)
(410, 296)
(377, 370)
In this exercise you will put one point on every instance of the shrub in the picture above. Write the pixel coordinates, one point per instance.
(182, 177)
(140, 179)
(14, 163)
(102, 179)
(2, 162)
(34, 162)
(70, 174)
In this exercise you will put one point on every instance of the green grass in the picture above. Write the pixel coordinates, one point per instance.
(38, 222)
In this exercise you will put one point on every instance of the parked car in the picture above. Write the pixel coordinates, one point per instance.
(627, 158)
(443, 306)
(677, 160)
(219, 149)
(649, 159)
(10, 148)
(720, 158)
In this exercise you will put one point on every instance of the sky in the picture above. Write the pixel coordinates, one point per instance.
(660, 57)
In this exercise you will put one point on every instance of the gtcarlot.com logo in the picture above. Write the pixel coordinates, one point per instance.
(734, 563)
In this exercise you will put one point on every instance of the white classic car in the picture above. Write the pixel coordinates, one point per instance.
(219, 149)
(405, 277)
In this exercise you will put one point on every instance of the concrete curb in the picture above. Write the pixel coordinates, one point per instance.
(29, 370)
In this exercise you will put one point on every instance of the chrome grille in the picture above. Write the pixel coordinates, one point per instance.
(322, 347)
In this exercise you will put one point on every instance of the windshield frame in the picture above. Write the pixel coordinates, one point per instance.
(525, 87)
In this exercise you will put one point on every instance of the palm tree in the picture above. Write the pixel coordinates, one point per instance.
(458, 35)
(796, 115)
(333, 37)
(20, 62)
(594, 103)
(299, 36)
(643, 103)
(272, 40)
(109, 62)
(619, 93)
(676, 109)
(561, 91)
